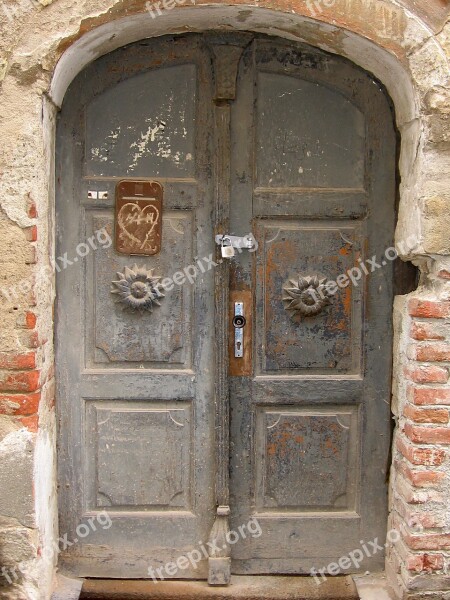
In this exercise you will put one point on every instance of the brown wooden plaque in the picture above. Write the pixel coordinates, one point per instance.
(138, 217)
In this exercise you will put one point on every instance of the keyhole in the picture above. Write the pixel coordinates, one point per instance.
(238, 344)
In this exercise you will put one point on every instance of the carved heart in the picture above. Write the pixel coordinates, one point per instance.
(137, 224)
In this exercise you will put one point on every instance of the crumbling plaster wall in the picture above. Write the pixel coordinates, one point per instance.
(44, 44)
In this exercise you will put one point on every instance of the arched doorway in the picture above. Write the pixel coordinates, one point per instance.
(163, 424)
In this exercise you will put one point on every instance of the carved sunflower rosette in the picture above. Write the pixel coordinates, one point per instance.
(306, 296)
(137, 289)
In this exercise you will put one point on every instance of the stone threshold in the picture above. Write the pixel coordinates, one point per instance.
(371, 587)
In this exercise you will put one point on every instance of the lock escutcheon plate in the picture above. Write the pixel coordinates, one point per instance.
(239, 330)
(240, 366)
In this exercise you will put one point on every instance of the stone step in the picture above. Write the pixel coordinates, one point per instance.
(241, 588)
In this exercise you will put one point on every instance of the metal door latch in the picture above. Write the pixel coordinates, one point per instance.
(239, 324)
(247, 241)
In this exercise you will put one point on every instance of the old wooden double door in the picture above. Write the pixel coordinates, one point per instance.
(159, 423)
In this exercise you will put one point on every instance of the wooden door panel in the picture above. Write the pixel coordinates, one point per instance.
(307, 135)
(309, 459)
(310, 203)
(288, 342)
(117, 338)
(132, 129)
(148, 439)
(280, 390)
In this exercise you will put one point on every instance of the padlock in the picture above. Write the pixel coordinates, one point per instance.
(227, 251)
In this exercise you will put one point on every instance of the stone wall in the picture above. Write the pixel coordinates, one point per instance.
(44, 44)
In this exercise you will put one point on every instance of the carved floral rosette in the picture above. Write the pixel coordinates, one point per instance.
(137, 289)
(306, 296)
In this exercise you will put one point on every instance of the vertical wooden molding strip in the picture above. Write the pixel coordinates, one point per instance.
(226, 61)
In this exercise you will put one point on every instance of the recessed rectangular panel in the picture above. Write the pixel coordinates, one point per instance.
(123, 333)
(141, 454)
(144, 126)
(302, 329)
(308, 135)
(309, 459)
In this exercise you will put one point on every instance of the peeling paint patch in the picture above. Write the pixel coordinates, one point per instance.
(142, 145)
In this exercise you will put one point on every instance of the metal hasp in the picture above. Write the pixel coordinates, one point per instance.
(239, 324)
(138, 217)
(246, 241)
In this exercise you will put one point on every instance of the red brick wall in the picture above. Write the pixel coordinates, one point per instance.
(422, 444)
(25, 373)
